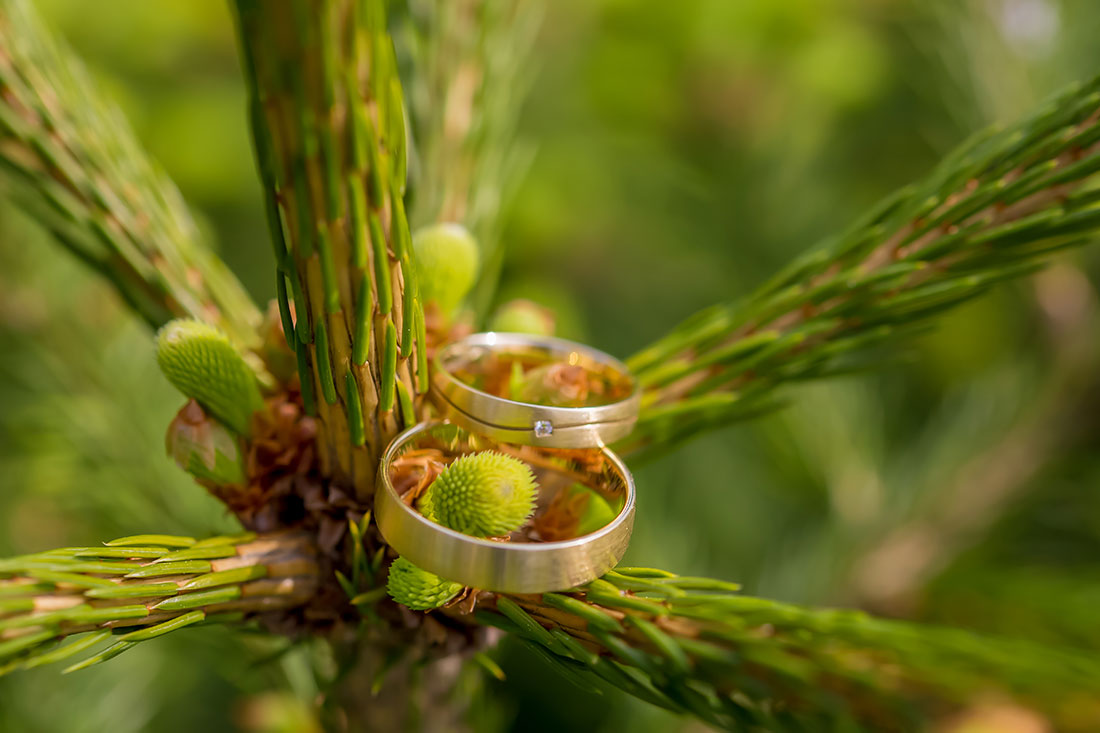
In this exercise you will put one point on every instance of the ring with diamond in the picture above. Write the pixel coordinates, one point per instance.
(554, 551)
(535, 390)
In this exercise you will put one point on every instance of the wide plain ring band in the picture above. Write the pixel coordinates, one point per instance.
(528, 423)
(505, 567)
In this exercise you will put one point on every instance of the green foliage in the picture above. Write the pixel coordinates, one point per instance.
(135, 589)
(74, 164)
(331, 152)
(468, 67)
(201, 362)
(693, 646)
(680, 643)
(418, 589)
(486, 494)
(994, 209)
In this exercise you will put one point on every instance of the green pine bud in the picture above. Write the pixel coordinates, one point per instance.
(446, 262)
(205, 448)
(484, 494)
(523, 316)
(201, 362)
(418, 589)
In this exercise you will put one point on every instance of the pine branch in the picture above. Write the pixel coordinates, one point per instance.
(71, 161)
(995, 209)
(329, 130)
(472, 59)
(138, 588)
(694, 647)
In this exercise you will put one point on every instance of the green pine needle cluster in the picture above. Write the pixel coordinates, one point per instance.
(993, 210)
(693, 646)
(138, 588)
(331, 149)
(73, 163)
(473, 62)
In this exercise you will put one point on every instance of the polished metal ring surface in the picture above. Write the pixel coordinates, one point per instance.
(530, 423)
(505, 567)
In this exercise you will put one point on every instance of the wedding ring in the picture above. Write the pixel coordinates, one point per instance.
(515, 566)
(583, 397)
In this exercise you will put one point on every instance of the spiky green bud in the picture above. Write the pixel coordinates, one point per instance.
(417, 588)
(446, 262)
(485, 494)
(204, 447)
(523, 316)
(201, 362)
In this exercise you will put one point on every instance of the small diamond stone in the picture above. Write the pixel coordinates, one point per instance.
(543, 428)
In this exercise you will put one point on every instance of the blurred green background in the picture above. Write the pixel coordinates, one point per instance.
(684, 151)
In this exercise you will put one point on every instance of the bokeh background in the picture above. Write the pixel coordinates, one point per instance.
(682, 152)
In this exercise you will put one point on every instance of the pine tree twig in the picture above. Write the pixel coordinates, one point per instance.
(72, 162)
(329, 131)
(693, 646)
(473, 63)
(139, 588)
(994, 209)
